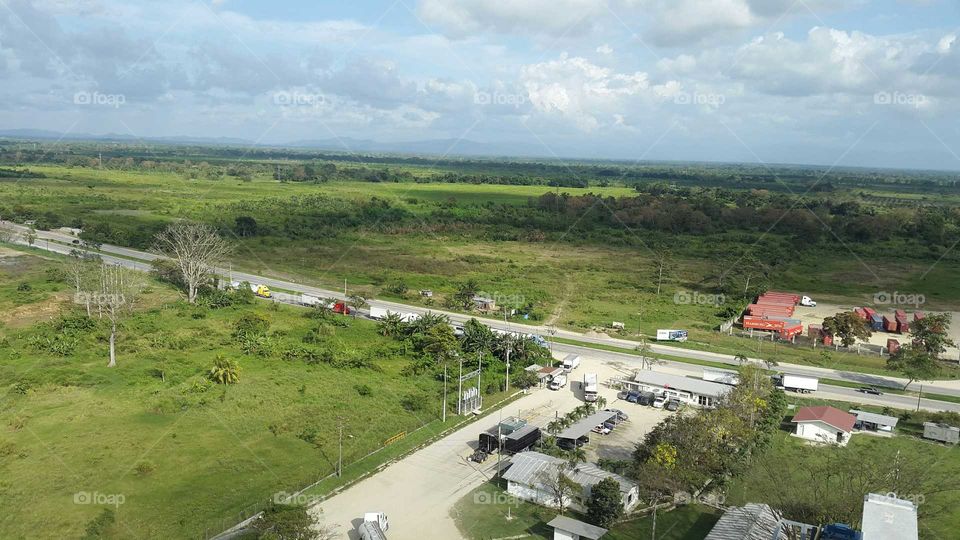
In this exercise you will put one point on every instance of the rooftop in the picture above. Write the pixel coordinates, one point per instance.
(529, 468)
(749, 522)
(579, 528)
(679, 382)
(828, 415)
(888, 518)
(584, 425)
(874, 418)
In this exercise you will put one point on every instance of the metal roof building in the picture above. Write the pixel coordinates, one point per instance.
(584, 425)
(529, 468)
(750, 522)
(874, 421)
(888, 518)
(565, 527)
(687, 389)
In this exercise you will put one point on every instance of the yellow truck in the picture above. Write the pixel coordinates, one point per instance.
(260, 290)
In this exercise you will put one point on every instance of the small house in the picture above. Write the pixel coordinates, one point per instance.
(531, 474)
(484, 303)
(824, 424)
(565, 528)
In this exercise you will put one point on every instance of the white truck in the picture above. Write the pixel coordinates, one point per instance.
(807, 301)
(374, 526)
(558, 382)
(590, 387)
(796, 383)
(310, 301)
(721, 376)
(671, 335)
(379, 313)
(571, 362)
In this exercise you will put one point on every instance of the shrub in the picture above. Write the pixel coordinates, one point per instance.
(415, 402)
(251, 324)
(363, 389)
(224, 371)
(24, 287)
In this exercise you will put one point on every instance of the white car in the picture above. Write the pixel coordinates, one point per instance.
(601, 429)
(659, 402)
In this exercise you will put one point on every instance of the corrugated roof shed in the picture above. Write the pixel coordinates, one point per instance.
(874, 418)
(529, 468)
(579, 528)
(750, 522)
(888, 518)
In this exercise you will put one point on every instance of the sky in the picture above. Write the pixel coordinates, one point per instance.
(832, 82)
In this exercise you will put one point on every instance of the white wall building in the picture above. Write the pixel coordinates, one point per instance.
(827, 425)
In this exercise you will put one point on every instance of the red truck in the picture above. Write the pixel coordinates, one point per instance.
(341, 308)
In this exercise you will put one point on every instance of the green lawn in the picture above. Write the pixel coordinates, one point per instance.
(488, 512)
(184, 456)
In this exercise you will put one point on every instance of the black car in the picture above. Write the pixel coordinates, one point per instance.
(672, 405)
(646, 398)
(870, 390)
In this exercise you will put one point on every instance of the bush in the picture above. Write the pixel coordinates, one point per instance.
(251, 324)
(99, 526)
(363, 389)
(415, 402)
(24, 287)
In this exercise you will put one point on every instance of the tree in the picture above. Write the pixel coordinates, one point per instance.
(647, 360)
(355, 301)
(196, 248)
(559, 487)
(30, 236)
(119, 292)
(245, 226)
(848, 327)
(477, 337)
(289, 522)
(915, 363)
(440, 343)
(79, 268)
(930, 334)
(463, 298)
(606, 503)
(741, 359)
(224, 371)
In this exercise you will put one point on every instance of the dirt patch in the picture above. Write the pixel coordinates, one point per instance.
(29, 314)
(7, 252)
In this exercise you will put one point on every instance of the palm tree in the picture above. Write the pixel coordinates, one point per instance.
(601, 402)
(577, 455)
(224, 371)
(555, 426)
(355, 301)
(391, 325)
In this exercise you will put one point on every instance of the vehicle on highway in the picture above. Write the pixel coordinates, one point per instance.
(374, 526)
(659, 402)
(671, 335)
(620, 414)
(558, 382)
(672, 405)
(873, 390)
(796, 383)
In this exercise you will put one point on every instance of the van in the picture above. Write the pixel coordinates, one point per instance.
(558, 382)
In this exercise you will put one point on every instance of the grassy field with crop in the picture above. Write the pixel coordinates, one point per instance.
(172, 453)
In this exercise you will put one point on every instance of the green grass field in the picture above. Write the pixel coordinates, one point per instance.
(186, 456)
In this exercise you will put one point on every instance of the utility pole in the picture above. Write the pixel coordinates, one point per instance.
(479, 372)
(344, 287)
(444, 391)
(507, 387)
(460, 389)
(340, 444)
(919, 396)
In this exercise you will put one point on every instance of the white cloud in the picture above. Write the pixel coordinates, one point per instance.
(460, 18)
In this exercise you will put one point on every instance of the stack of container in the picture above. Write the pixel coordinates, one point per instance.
(889, 324)
(776, 310)
(862, 313)
(786, 327)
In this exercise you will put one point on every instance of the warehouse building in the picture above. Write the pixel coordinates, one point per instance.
(686, 389)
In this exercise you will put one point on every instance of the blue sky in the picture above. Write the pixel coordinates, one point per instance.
(835, 82)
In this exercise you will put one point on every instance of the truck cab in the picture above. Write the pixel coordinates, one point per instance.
(374, 526)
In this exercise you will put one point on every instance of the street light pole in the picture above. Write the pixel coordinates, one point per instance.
(444, 391)
(507, 387)
(460, 389)
(340, 457)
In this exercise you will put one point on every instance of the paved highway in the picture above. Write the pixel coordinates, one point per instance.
(140, 260)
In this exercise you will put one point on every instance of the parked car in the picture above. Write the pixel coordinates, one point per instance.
(646, 398)
(870, 390)
(479, 456)
(610, 424)
(633, 396)
(659, 402)
(567, 444)
(672, 405)
(602, 429)
(620, 414)
(622, 394)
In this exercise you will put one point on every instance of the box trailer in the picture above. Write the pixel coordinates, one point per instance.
(374, 526)
(903, 327)
(590, 387)
(889, 324)
(876, 321)
(571, 362)
(521, 439)
(671, 335)
(558, 382)
(796, 383)
(721, 376)
(941, 432)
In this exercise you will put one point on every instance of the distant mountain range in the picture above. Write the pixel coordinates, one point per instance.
(453, 147)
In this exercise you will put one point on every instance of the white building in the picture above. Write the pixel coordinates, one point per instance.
(686, 389)
(531, 473)
(565, 528)
(824, 424)
(885, 517)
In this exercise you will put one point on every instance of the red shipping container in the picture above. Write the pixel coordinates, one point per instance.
(795, 297)
(893, 346)
(761, 323)
(870, 312)
(903, 326)
(827, 339)
(813, 330)
(890, 325)
(900, 314)
(917, 315)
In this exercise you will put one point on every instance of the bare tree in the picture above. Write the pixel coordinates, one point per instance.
(7, 235)
(119, 292)
(661, 259)
(79, 267)
(560, 487)
(196, 248)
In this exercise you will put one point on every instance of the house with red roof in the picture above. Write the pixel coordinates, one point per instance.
(824, 424)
